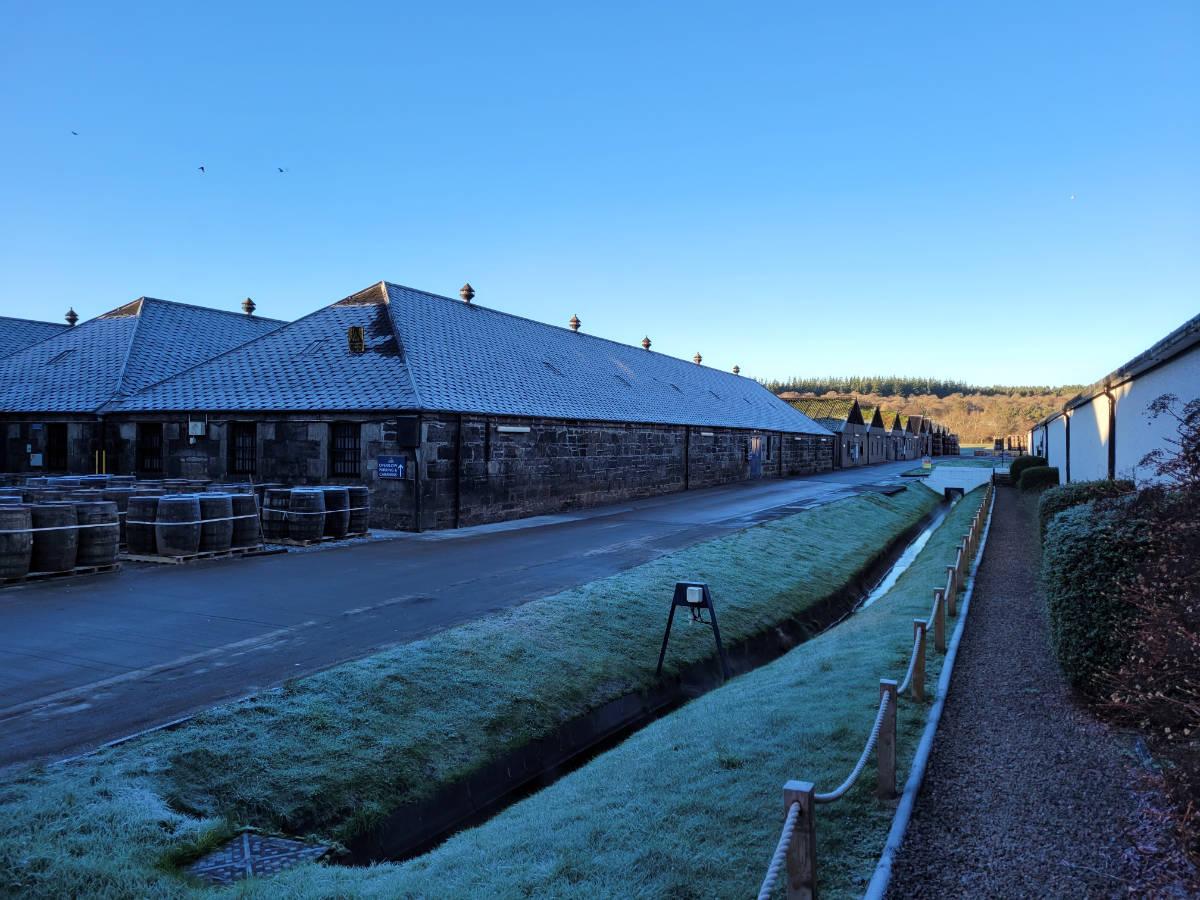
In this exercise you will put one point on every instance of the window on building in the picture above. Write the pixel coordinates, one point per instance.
(344, 443)
(56, 447)
(150, 448)
(243, 448)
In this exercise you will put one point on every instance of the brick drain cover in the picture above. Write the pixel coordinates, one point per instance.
(253, 854)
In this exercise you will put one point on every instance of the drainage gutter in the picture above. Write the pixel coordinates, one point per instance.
(883, 870)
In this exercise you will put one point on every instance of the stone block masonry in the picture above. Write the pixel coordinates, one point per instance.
(459, 470)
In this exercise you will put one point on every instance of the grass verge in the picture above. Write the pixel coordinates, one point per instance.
(330, 754)
(691, 805)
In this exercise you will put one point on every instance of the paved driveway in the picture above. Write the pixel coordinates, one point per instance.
(91, 660)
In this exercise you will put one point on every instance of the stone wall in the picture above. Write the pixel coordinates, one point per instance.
(468, 469)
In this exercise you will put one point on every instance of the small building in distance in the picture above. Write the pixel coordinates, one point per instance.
(876, 434)
(17, 334)
(844, 418)
(53, 392)
(455, 414)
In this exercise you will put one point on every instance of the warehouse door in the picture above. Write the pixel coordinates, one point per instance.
(756, 456)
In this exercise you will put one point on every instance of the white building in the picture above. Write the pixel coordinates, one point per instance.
(1105, 432)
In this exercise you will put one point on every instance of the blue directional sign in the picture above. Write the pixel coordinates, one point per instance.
(391, 466)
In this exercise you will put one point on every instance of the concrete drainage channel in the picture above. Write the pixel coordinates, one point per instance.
(417, 828)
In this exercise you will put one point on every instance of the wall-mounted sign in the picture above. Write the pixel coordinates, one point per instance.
(391, 466)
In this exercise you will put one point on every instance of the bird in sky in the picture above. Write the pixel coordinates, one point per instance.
(200, 169)
(1072, 196)
(76, 133)
(282, 171)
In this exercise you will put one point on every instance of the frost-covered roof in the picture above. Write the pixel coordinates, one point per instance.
(428, 352)
(833, 413)
(17, 334)
(83, 368)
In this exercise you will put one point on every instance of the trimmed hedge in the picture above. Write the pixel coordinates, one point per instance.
(1021, 463)
(1038, 478)
(1065, 496)
(1090, 552)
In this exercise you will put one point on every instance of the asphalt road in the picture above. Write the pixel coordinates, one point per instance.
(90, 660)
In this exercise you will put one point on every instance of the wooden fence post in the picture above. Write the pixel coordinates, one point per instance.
(885, 748)
(918, 679)
(939, 620)
(802, 852)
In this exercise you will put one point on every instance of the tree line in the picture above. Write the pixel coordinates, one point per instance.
(908, 386)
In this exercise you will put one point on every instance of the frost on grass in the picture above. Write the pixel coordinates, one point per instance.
(331, 754)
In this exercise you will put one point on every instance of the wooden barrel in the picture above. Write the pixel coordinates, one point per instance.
(120, 496)
(274, 513)
(216, 534)
(306, 514)
(177, 525)
(16, 541)
(54, 550)
(245, 520)
(360, 508)
(98, 533)
(139, 524)
(337, 511)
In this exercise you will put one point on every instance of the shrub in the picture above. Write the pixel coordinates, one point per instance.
(1021, 463)
(1065, 496)
(1038, 478)
(1090, 555)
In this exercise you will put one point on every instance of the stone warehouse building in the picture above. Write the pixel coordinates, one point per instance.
(455, 414)
(844, 418)
(53, 392)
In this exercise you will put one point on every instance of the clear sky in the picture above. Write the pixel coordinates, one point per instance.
(992, 192)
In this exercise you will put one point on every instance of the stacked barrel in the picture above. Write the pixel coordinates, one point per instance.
(61, 523)
(305, 515)
(51, 535)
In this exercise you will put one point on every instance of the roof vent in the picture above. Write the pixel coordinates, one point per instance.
(646, 342)
(737, 370)
(697, 359)
(466, 292)
(248, 306)
(355, 340)
(72, 317)
(574, 323)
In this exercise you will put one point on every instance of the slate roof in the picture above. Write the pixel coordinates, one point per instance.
(81, 369)
(1179, 341)
(832, 413)
(17, 334)
(868, 415)
(432, 353)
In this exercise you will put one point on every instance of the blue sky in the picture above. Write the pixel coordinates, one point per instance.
(796, 189)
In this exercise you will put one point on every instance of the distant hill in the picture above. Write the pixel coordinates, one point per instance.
(977, 414)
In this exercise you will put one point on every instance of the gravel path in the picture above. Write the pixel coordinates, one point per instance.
(1026, 795)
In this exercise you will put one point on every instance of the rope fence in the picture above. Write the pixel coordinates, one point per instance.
(796, 850)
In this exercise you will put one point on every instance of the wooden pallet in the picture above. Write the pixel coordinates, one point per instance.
(70, 573)
(233, 553)
(324, 539)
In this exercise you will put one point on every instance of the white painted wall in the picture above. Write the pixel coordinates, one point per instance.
(1089, 440)
(1136, 434)
(1056, 446)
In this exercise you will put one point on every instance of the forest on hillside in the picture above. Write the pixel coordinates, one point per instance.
(907, 386)
(977, 414)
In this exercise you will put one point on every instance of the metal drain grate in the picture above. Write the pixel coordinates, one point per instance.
(253, 854)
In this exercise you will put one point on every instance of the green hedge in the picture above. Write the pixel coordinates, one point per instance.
(1038, 478)
(1065, 496)
(1021, 463)
(1090, 550)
